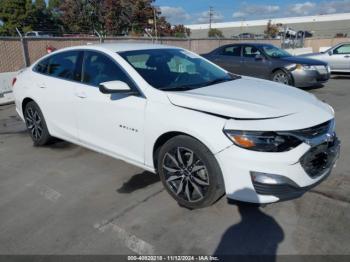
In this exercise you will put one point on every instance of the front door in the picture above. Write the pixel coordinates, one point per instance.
(255, 63)
(112, 123)
(339, 60)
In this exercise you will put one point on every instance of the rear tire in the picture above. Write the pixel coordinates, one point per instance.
(36, 124)
(190, 172)
(282, 77)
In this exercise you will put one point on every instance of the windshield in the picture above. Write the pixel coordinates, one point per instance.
(275, 52)
(175, 69)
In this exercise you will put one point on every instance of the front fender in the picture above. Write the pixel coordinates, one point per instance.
(165, 118)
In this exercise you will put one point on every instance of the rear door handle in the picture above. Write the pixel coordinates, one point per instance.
(347, 56)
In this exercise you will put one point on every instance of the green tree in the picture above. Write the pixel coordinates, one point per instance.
(41, 18)
(76, 16)
(181, 31)
(54, 4)
(26, 16)
(214, 32)
(13, 13)
(40, 4)
(271, 30)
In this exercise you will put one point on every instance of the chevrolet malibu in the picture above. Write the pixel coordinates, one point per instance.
(205, 131)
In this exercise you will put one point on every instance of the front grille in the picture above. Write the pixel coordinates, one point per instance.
(322, 69)
(275, 190)
(320, 158)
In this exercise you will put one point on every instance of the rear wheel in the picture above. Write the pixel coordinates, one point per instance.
(36, 124)
(282, 77)
(190, 172)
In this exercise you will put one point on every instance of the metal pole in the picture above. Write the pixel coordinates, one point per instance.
(284, 37)
(149, 36)
(210, 16)
(155, 23)
(99, 35)
(24, 51)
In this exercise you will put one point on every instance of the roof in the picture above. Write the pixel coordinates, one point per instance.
(249, 43)
(130, 46)
(283, 20)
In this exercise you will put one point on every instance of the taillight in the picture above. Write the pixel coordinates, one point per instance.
(14, 81)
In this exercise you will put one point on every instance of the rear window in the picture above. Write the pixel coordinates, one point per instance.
(63, 65)
(42, 66)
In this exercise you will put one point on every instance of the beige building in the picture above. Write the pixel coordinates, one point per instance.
(326, 26)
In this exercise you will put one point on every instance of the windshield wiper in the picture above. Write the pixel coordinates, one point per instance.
(177, 88)
(221, 80)
(194, 86)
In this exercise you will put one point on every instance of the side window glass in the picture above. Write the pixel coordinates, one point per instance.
(63, 65)
(344, 49)
(232, 51)
(98, 68)
(42, 66)
(250, 51)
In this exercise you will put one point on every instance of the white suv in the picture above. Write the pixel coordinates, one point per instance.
(204, 130)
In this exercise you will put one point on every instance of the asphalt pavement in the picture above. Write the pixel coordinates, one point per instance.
(64, 199)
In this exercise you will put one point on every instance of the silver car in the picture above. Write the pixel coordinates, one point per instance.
(337, 57)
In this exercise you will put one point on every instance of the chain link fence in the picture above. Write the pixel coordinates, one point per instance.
(16, 54)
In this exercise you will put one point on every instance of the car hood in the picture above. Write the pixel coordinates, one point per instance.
(250, 98)
(302, 60)
(312, 55)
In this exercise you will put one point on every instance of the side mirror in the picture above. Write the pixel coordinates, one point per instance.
(330, 52)
(259, 57)
(113, 87)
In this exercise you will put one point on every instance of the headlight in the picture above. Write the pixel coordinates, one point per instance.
(305, 67)
(291, 67)
(263, 141)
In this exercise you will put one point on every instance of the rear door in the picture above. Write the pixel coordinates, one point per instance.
(56, 79)
(229, 58)
(254, 63)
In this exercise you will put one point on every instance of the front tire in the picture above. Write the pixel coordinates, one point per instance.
(282, 77)
(36, 124)
(190, 172)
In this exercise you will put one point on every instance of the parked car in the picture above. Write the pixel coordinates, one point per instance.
(37, 34)
(270, 62)
(337, 57)
(246, 36)
(204, 130)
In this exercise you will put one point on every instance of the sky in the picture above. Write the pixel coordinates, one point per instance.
(196, 11)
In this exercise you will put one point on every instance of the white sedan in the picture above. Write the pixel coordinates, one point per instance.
(205, 131)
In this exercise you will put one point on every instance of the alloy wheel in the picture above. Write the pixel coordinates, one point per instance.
(281, 77)
(185, 174)
(34, 123)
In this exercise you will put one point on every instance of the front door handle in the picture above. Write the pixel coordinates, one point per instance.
(81, 94)
(347, 56)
